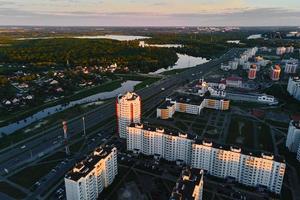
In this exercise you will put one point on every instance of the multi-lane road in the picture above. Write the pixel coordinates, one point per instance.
(50, 140)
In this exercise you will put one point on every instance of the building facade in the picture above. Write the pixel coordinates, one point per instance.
(161, 143)
(280, 51)
(291, 66)
(293, 137)
(235, 82)
(256, 170)
(293, 87)
(89, 177)
(275, 73)
(252, 72)
(298, 154)
(128, 110)
(189, 186)
(248, 168)
(185, 105)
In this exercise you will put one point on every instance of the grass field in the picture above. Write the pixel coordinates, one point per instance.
(240, 132)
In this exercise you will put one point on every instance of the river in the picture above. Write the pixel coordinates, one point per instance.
(184, 61)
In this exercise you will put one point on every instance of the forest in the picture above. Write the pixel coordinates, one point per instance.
(86, 52)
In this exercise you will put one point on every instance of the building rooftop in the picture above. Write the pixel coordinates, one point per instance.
(190, 99)
(186, 184)
(237, 148)
(296, 78)
(296, 124)
(166, 104)
(276, 67)
(163, 130)
(129, 96)
(84, 167)
(253, 66)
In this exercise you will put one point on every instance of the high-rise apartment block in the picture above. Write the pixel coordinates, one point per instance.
(293, 137)
(252, 72)
(293, 87)
(275, 73)
(249, 168)
(89, 177)
(128, 109)
(280, 51)
(298, 154)
(291, 66)
(160, 143)
(189, 186)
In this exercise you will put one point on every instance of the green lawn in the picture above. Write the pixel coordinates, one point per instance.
(181, 125)
(243, 129)
(265, 137)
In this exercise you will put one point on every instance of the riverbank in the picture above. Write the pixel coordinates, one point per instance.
(24, 114)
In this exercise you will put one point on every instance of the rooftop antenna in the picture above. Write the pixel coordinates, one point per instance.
(65, 128)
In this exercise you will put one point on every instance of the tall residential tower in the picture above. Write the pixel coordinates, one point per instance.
(128, 109)
(90, 176)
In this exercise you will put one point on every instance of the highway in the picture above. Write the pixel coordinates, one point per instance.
(51, 140)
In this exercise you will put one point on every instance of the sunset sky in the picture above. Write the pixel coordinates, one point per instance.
(150, 12)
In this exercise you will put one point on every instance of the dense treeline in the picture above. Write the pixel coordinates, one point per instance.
(208, 45)
(60, 52)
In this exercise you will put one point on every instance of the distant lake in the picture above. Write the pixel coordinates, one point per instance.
(184, 61)
(126, 86)
(112, 37)
(233, 41)
(165, 45)
(255, 36)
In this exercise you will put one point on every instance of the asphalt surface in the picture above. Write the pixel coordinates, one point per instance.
(50, 140)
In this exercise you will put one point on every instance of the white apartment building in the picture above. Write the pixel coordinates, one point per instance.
(291, 66)
(280, 50)
(128, 109)
(189, 186)
(235, 82)
(298, 154)
(190, 105)
(233, 64)
(225, 67)
(257, 170)
(159, 142)
(293, 87)
(249, 168)
(293, 137)
(290, 49)
(89, 177)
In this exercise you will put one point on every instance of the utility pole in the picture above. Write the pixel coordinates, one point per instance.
(65, 128)
(83, 124)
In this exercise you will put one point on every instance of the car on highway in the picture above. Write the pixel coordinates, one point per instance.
(23, 147)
